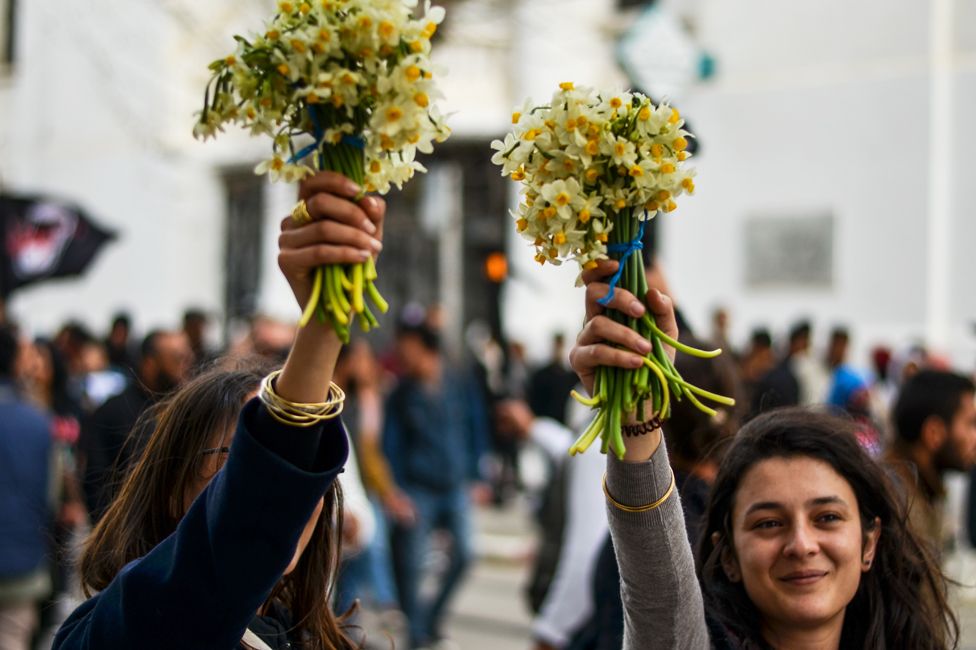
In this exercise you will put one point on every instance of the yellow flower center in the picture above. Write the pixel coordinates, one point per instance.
(602, 237)
(430, 29)
(348, 79)
(584, 215)
(562, 199)
(657, 151)
(386, 142)
(365, 22)
(689, 185)
(266, 102)
(589, 266)
(620, 204)
(393, 113)
(386, 29)
(652, 206)
(283, 69)
(516, 116)
(636, 171)
(592, 175)
(675, 116)
(413, 138)
(531, 134)
(318, 47)
(644, 114)
(549, 212)
(272, 35)
(559, 239)
(312, 98)
(277, 163)
(325, 34)
(566, 85)
(251, 113)
(619, 149)
(569, 165)
(553, 252)
(522, 224)
(375, 167)
(680, 144)
(582, 121)
(230, 60)
(667, 168)
(616, 103)
(682, 155)
(298, 46)
(421, 100)
(593, 147)
(416, 47)
(519, 175)
(671, 206)
(540, 258)
(412, 73)
(305, 8)
(338, 101)
(286, 7)
(663, 195)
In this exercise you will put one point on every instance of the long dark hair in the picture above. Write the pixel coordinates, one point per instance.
(900, 602)
(150, 503)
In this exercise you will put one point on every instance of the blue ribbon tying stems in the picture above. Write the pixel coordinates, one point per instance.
(626, 250)
(319, 133)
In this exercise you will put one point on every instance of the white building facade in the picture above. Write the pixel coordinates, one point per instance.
(850, 115)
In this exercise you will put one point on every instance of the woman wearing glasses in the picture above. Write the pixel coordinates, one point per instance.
(226, 531)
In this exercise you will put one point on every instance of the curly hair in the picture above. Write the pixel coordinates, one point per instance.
(899, 603)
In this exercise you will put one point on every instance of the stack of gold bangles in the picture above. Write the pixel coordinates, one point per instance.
(297, 414)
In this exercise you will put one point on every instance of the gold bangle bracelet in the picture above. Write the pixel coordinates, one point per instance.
(638, 509)
(300, 414)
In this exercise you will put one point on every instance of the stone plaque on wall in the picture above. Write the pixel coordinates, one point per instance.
(790, 251)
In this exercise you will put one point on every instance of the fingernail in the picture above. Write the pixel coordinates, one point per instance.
(353, 188)
(369, 226)
(644, 346)
(364, 255)
(636, 362)
(636, 309)
(376, 244)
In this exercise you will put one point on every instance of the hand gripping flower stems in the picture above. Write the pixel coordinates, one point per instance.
(352, 81)
(594, 167)
(622, 392)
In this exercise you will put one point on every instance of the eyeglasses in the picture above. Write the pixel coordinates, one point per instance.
(215, 450)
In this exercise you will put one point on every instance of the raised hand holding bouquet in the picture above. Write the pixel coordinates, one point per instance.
(594, 168)
(339, 85)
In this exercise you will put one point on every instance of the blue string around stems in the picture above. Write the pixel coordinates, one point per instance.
(625, 250)
(318, 133)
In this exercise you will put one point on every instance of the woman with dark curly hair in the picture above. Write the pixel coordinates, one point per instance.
(804, 544)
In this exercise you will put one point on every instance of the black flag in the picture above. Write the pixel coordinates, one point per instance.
(42, 238)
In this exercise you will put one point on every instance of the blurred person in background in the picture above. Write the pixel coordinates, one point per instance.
(118, 345)
(26, 502)
(368, 575)
(720, 332)
(883, 389)
(195, 324)
(758, 360)
(165, 362)
(935, 432)
(434, 436)
(46, 379)
(550, 384)
(781, 385)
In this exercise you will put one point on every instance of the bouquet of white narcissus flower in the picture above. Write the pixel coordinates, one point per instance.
(341, 85)
(594, 167)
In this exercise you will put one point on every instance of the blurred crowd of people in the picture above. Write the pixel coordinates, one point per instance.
(433, 435)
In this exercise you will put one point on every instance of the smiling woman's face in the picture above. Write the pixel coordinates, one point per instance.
(800, 548)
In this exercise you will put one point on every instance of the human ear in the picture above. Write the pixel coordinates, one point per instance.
(730, 565)
(870, 545)
(933, 434)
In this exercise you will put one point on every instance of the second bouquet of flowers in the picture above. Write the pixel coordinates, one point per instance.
(340, 85)
(594, 168)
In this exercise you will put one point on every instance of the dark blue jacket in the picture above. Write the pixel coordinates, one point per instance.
(435, 441)
(25, 475)
(201, 586)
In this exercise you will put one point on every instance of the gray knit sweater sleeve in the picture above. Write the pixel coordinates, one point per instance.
(662, 600)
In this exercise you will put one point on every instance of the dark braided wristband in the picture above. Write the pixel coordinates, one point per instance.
(641, 428)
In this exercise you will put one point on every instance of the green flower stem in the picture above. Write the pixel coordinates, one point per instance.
(677, 345)
(313, 300)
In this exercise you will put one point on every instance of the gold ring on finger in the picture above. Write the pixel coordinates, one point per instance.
(300, 215)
